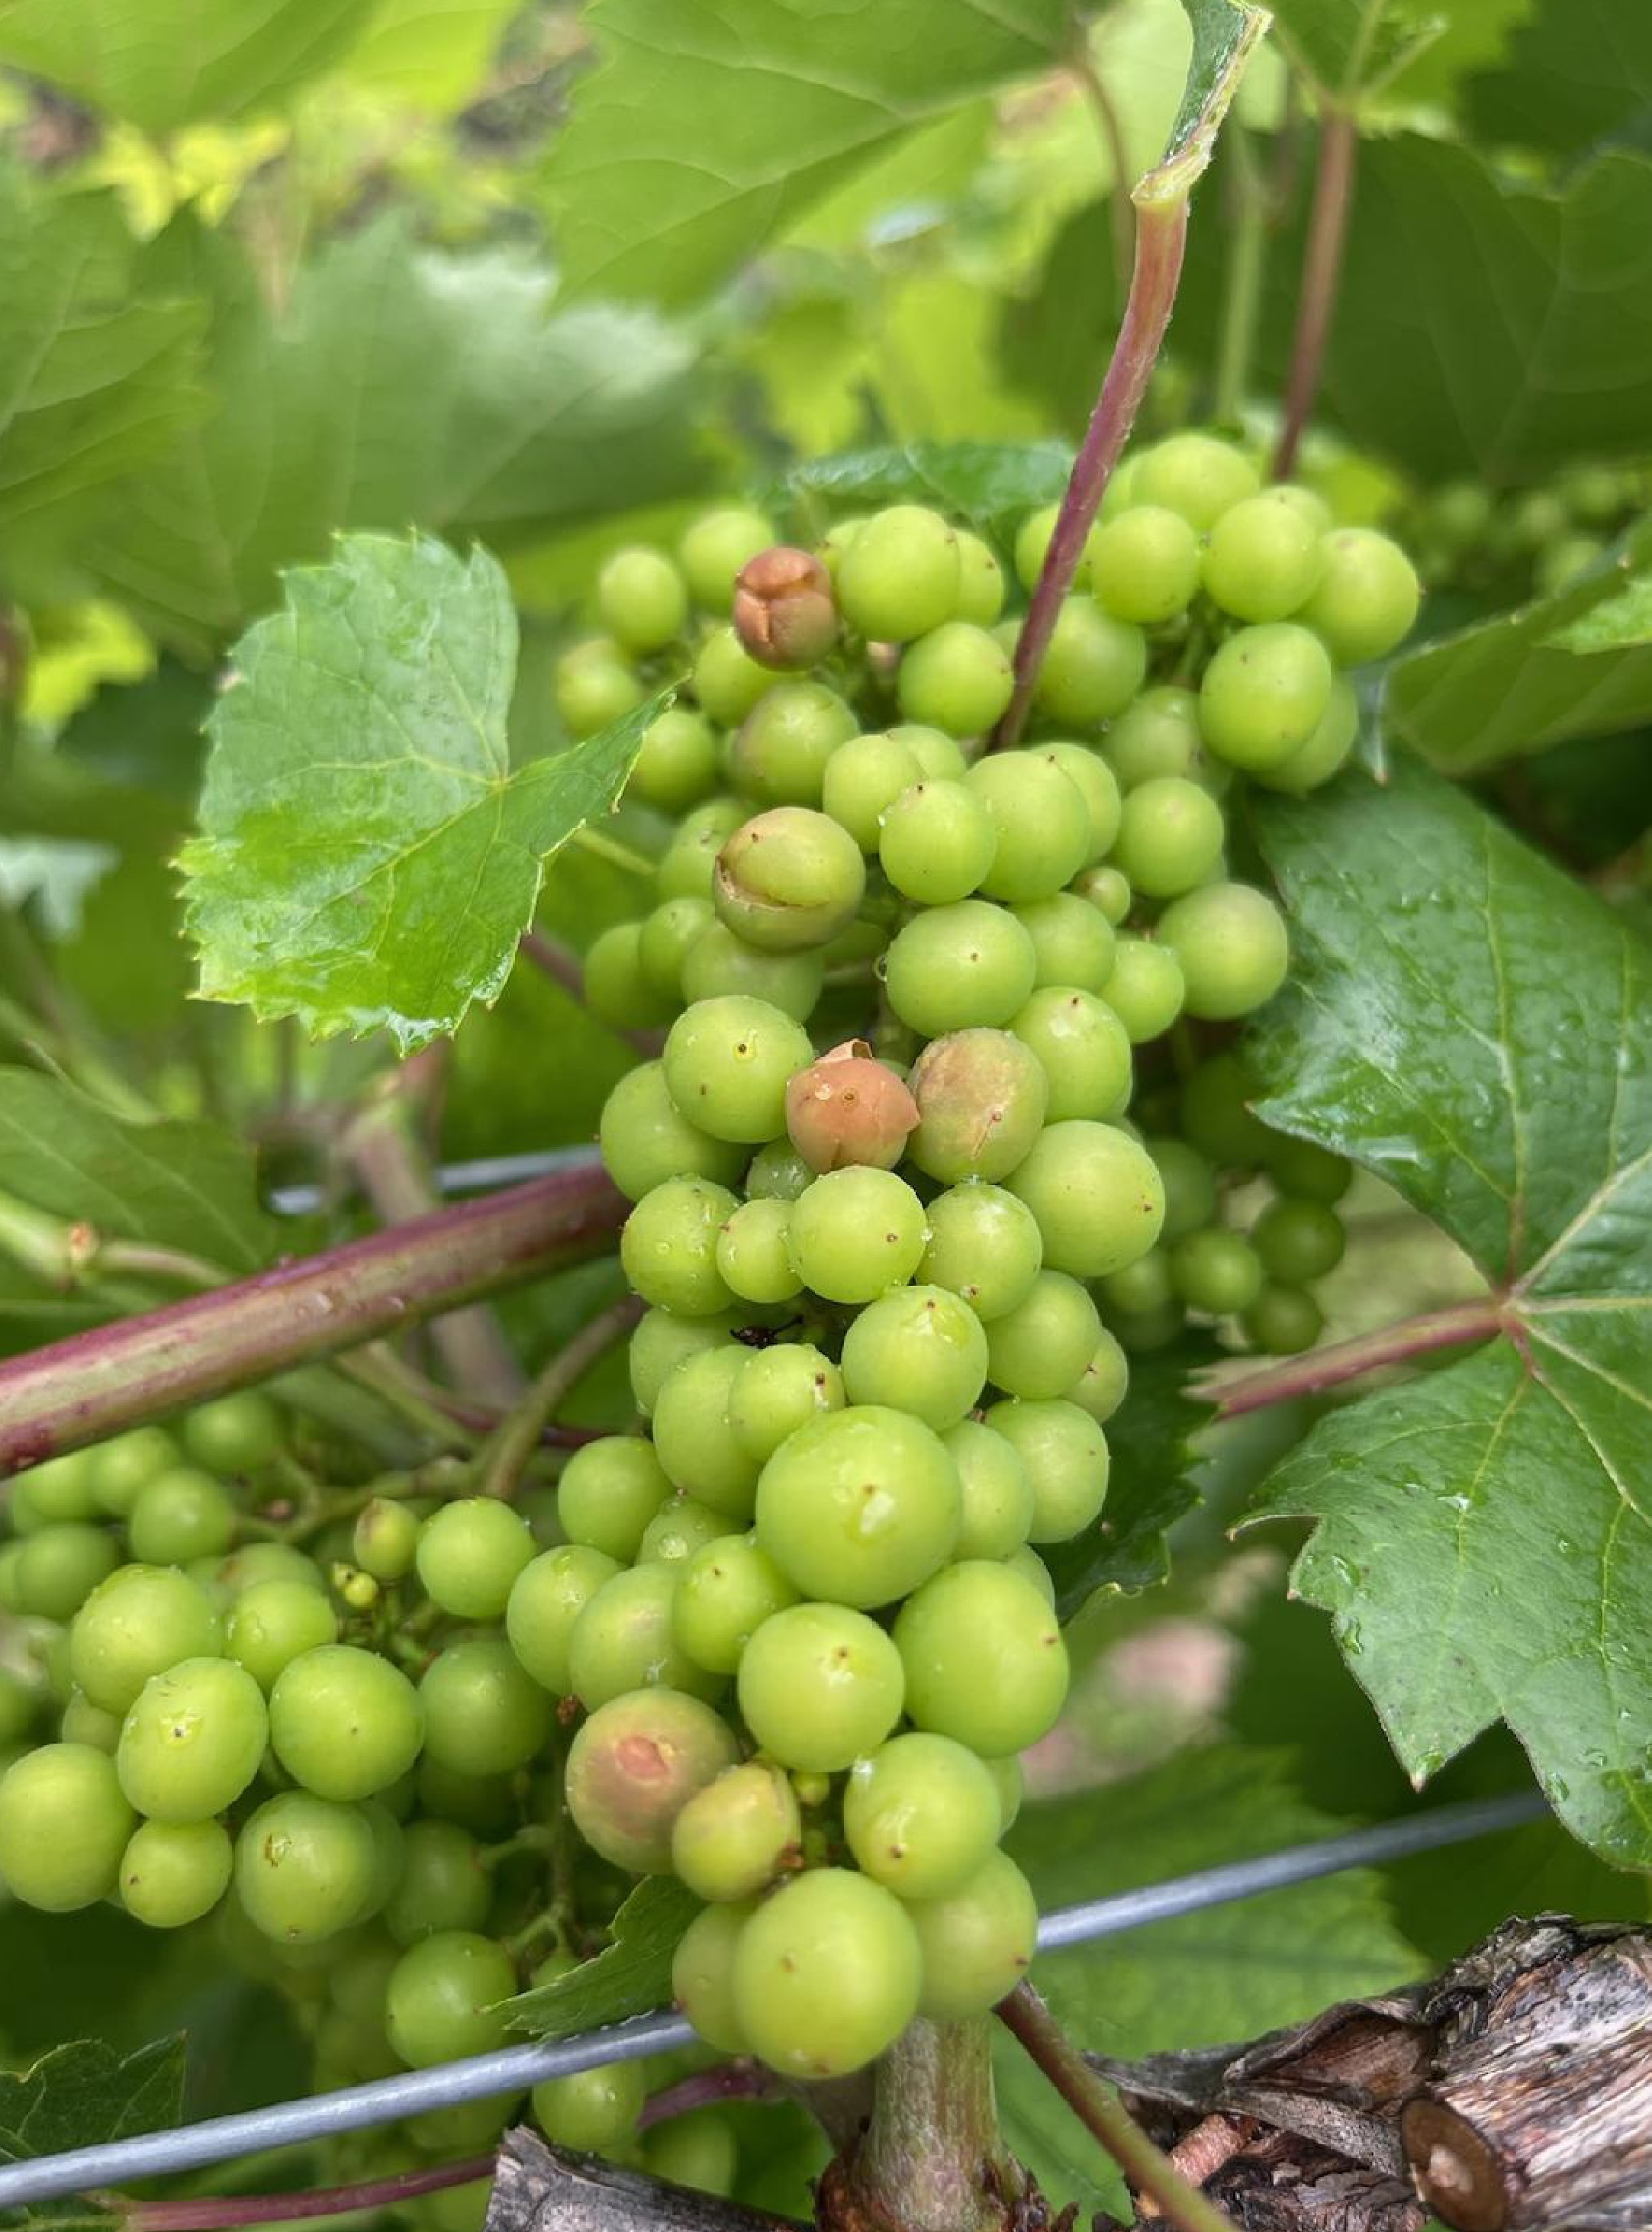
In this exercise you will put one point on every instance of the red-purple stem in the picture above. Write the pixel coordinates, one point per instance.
(733, 2080)
(1333, 195)
(208, 2214)
(1352, 1360)
(98, 1383)
(1161, 237)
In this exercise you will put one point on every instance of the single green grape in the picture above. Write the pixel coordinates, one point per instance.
(677, 1529)
(1091, 775)
(182, 1514)
(445, 1998)
(254, 1563)
(547, 1599)
(1283, 1322)
(345, 1722)
(1137, 1289)
(721, 964)
(1157, 735)
(702, 1975)
(1190, 1191)
(1217, 1272)
(1263, 693)
(1302, 1169)
(1105, 1381)
(863, 779)
(1146, 990)
(725, 1592)
(642, 600)
(953, 968)
(983, 1244)
(921, 1815)
(1040, 1348)
(982, 1098)
(726, 1063)
(444, 1883)
(983, 1658)
(1198, 475)
(1231, 942)
(920, 1350)
(1066, 1458)
(59, 1565)
(646, 1139)
(1083, 1049)
(692, 1438)
(1327, 749)
(1032, 543)
(172, 1872)
(700, 2149)
(957, 679)
(623, 1641)
(385, 1539)
(898, 578)
(736, 1835)
(715, 548)
(1170, 836)
(1097, 1197)
(592, 2110)
(469, 1556)
(687, 868)
(121, 1466)
(1262, 558)
(861, 1505)
(1299, 1241)
(780, 751)
(1105, 889)
(1042, 822)
(664, 940)
(192, 1740)
(595, 687)
(994, 1494)
(774, 1391)
(980, 581)
(827, 1974)
(977, 1940)
(64, 1822)
(669, 1245)
(1073, 941)
(676, 765)
(234, 1433)
(616, 990)
(727, 682)
(1144, 565)
(938, 842)
(633, 1766)
(609, 1491)
(854, 1233)
(940, 756)
(661, 1341)
(483, 1713)
(1366, 598)
(1215, 1117)
(1093, 667)
(752, 1254)
(818, 1685)
(62, 1487)
(276, 1622)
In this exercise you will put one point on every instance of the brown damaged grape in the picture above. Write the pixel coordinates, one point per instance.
(850, 1107)
(784, 613)
(634, 1766)
(981, 1096)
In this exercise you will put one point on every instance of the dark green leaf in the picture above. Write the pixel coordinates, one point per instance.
(367, 858)
(1055, 338)
(82, 2095)
(708, 130)
(1575, 71)
(1472, 1026)
(981, 482)
(145, 734)
(630, 1977)
(1149, 1437)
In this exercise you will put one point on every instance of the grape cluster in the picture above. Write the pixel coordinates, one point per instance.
(1532, 542)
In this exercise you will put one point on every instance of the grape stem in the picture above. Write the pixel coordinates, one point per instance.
(99, 1382)
(209, 2212)
(704, 2088)
(1320, 1368)
(522, 1429)
(1099, 2109)
(1333, 194)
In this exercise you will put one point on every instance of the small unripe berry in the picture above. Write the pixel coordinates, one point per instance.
(784, 614)
(981, 1096)
(849, 1107)
(788, 878)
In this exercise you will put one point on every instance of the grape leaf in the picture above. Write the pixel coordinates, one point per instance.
(160, 63)
(632, 1976)
(367, 857)
(1472, 1026)
(708, 129)
(1577, 71)
(518, 418)
(432, 53)
(1578, 664)
(1344, 45)
(1197, 1980)
(84, 2094)
(981, 482)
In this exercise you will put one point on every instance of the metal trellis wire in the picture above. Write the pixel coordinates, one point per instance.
(514, 2069)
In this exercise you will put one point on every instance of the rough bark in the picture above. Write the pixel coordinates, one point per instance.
(542, 2189)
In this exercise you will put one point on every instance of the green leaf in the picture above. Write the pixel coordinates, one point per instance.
(632, 1976)
(1576, 72)
(368, 857)
(981, 482)
(710, 130)
(84, 2094)
(517, 418)
(1344, 45)
(157, 63)
(1470, 1024)
(1578, 664)
(1150, 1438)
(1201, 1979)
(431, 53)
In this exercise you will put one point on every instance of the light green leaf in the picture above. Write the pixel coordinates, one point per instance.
(1469, 1023)
(160, 63)
(1201, 1979)
(367, 857)
(980, 482)
(711, 127)
(432, 53)
(632, 1976)
(83, 2095)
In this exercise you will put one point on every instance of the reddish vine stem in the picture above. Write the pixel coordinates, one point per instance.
(99, 1382)
(563, 966)
(521, 1430)
(1333, 194)
(209, 2213)
(1352, 1360)
(1161, 240)
(1099, 2109)
(733, 2080)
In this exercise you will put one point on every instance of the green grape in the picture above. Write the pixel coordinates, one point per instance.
(1170, 836)
(592, 2110)
(1094, 666)
(233, 1434)
(920, 1815)
(1231, 942)
(702, 1975)
(659, 1343)
(856, 1232)
(120, 1468)
(1007, 1780)
(1194, 474)
(1327, 749)
(59, 1566)
(818, 1685)
(1041, 1347)
(752, 1254)
(980, 581)
(633, 1766)
(920, 1350)
(669, 1247)
(677, 1529)
(715, 548)
(1298, 1241)
(469, 1556)
(994, 1494)
(726, 1592)
(182, 1515)
(139, 1622)
(676, 765)
(984, 1245)
(548, 1597)
(788, 878)
(345, 1722)
(957, 679)
(254, 1563)
(1107, 890)
(898, 578)
(1073, 942)
(609, 1491)
(939, 756)
(780, 753)
(977, 1940)
(62, 1487)
(642, 600)
(645, 1139)
(1032, 543)
(445, 1998)
(982, 1097)
(595, 687)
(953, 968)
(664, 938)
(1083, 1049)
(736, 1835)
(173, 1872)
(1283, 1322)
(983, 1658)
(859, 1506)
(385, 1539)
(1042, 820)
(1065, 1455)
(720, 963)
(827, 1974)
(11, 1558)
(727, 683)
(1105, 1381)
(863, 779)
(1263, 693)
(64, 1823)
(1157, 735)
(1217, 1272)
(1262, 558)
(774, 1391)
(692, 1438)
(1090, 774)
(276, 1623)
(192, 1740)
(687, 867)
(726, 1063)
(1189, 1182)
(1144, 565)
(1141, 1287)
(623, 1641)
(847, 1108)
(616, 990)
(938, 842)
(444, 1883)
(483, 1713)
(1146, 990)
(700, 2149)
(1366, 597)
(1217, 1122)
(1097, 1197)
(1302, 1169)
